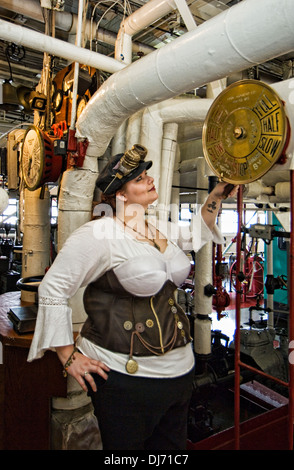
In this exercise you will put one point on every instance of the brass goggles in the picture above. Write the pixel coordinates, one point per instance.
(130, 160)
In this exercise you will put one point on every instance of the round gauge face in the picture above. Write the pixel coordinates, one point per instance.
(245, 132)
(53, 88)
(32, 158)
(68, 80)
(57, 100)
(82, 102)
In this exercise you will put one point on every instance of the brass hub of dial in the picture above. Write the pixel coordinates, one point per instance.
(245, 132)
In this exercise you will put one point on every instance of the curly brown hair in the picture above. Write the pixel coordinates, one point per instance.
(108, 199)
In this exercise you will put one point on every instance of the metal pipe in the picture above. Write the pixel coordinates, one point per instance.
(77, 66)
(40, 42)
(145, 16)
(36, 239)
(174, 111)
(263, 374)
(270, 270)
(239, 40)
(237, 323)
(238, 362)
(65, 21)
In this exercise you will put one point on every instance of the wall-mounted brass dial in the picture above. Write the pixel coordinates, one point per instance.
(245, 132)
(39, 164)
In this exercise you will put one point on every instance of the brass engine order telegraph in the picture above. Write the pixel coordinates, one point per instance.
(245, 132)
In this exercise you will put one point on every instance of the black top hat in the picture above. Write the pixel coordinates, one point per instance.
(122, 168)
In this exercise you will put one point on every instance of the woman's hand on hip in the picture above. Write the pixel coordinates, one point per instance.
(81, 367)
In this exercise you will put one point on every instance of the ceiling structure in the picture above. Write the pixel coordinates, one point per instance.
(24, 65)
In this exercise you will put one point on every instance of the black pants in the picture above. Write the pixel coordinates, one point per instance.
(137, 413)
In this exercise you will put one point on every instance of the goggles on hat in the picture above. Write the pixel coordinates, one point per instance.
(130, 160)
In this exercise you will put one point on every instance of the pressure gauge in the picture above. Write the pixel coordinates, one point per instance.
(82, 102)
(32, 159)
(39, 164)
(57, 100)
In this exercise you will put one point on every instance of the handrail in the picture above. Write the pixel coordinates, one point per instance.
(238, 362)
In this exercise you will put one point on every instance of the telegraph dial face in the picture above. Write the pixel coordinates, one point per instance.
(245, 132)
(32, 159)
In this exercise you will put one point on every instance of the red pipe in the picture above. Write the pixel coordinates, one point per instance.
(263, 374)
(237, 324)
(238, 362)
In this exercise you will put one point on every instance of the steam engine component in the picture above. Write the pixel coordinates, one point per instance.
(39, 163)
(257, 348)
(245, 132)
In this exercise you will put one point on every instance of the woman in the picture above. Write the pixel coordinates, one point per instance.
(133, 353)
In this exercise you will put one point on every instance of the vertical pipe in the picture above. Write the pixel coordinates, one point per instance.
(237, 323)
(270, 270)
(36, 237)
(77, 66)
(291, 319)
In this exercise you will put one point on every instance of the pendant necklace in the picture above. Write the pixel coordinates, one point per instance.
(142, 235)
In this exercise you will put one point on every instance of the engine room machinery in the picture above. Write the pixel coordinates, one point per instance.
(246, 133)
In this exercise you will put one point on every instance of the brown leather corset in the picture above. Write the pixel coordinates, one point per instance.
(139, 326)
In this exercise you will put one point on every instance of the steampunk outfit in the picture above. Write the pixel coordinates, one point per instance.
(134, 323)
(134, 326)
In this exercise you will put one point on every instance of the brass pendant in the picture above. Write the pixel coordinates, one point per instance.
(131, 366)
(245, 132)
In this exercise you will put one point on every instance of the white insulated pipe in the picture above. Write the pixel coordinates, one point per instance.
(233, 40)
(143, 17)
(174, 111)
(168, 157)
(175, 195)
(146, 15)
(36, 239)
(203, 277)
(285, 91)
(66, 21)
(274, 186)
(41, 42)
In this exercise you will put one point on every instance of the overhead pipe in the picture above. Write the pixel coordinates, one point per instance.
(174, 111)
(68, 22)
(40, 42)
(145, 16)
(231, 41)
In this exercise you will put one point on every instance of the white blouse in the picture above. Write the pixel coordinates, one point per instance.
(97, 247)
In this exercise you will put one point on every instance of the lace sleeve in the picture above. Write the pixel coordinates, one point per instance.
(82, 259)
(43, 301)
(53, 326)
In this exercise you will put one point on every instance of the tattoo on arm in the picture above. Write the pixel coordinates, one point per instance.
(211, 207)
